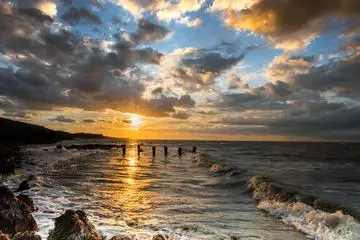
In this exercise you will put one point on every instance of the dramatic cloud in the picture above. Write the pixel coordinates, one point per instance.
(88, 121)
(287, 24)
(340, 77)
(98, 62)
(74, 15)
(149, 31)
(62, 119)
(164, 10)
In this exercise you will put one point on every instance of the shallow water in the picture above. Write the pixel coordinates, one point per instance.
(141, 195)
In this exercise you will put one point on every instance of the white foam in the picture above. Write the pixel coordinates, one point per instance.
(318, 224)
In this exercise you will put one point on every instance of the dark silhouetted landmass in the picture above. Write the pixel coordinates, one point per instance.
(14, 132)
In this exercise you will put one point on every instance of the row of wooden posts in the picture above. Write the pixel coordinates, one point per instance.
(139, 150)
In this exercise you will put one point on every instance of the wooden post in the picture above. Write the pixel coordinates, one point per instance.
(138, 149)
(194, 150)
(153, 151)
(124, 149)
(165, 150)
(180, 151)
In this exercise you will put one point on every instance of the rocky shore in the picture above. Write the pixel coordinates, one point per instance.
(18, 223)
(10, 158)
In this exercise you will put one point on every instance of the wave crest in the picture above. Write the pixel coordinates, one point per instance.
(309, 214)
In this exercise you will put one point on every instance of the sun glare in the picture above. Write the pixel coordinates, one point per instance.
(136, 121)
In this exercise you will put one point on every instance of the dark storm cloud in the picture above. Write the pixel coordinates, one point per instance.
(211, 62)
(157, 91)
(149, 31)
(62, 119)
(306, 119)
(88, 121)
(35, 14)
(148, 55)
(20, 114)
(81, 15)
(281, 16)
(181, 115)
(198, 69)
(339, 76)
(271, 96)
(217, 59)
(62, 69)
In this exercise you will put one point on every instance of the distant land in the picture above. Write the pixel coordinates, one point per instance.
(24, 133)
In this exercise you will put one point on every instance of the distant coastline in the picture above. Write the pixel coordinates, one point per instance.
(15, 132)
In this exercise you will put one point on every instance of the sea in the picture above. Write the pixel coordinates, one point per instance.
(182, 197)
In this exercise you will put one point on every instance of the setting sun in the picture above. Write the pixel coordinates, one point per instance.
(136, 121)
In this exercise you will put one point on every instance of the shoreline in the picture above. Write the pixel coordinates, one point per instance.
(271, 196)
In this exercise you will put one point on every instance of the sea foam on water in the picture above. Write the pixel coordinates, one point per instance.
(318, 224)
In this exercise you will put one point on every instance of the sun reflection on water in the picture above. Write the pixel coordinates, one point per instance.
(125, 193)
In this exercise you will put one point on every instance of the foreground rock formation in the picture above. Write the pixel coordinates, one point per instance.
(27, 236)
(15, 214)
(74, 225)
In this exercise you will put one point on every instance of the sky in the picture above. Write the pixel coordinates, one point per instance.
(285, 70)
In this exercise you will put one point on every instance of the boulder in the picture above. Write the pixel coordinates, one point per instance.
(4, 236)
(15, 215)
(120, 237)
(216, 168)
(159, 237)
(27, 184)
(74, 225)
(27, 236)
(28, 201)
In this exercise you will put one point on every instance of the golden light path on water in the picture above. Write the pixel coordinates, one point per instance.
(125, 192)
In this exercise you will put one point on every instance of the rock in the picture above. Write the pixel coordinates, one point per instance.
(74, 225)
(15, 215)
(4, 236)
(59, 147)
(121, 238)
(159, 237)
(7, 166)
(26, 236)
(27, 184)
(216, 168)
(24, 185)
(28, 201)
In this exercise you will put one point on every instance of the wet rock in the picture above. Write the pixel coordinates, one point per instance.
(216, 168)
(15, 215)
(24, 185)
(4, 236)
(121, 238)
(28, 201)
(74, 225)
(10, 158)
(159, 237)
(7, 166)
(26, 236)
(27, 184)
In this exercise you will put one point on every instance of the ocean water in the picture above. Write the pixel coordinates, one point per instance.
(179, 196)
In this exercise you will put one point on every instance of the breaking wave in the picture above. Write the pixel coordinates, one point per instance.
(313, 216)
